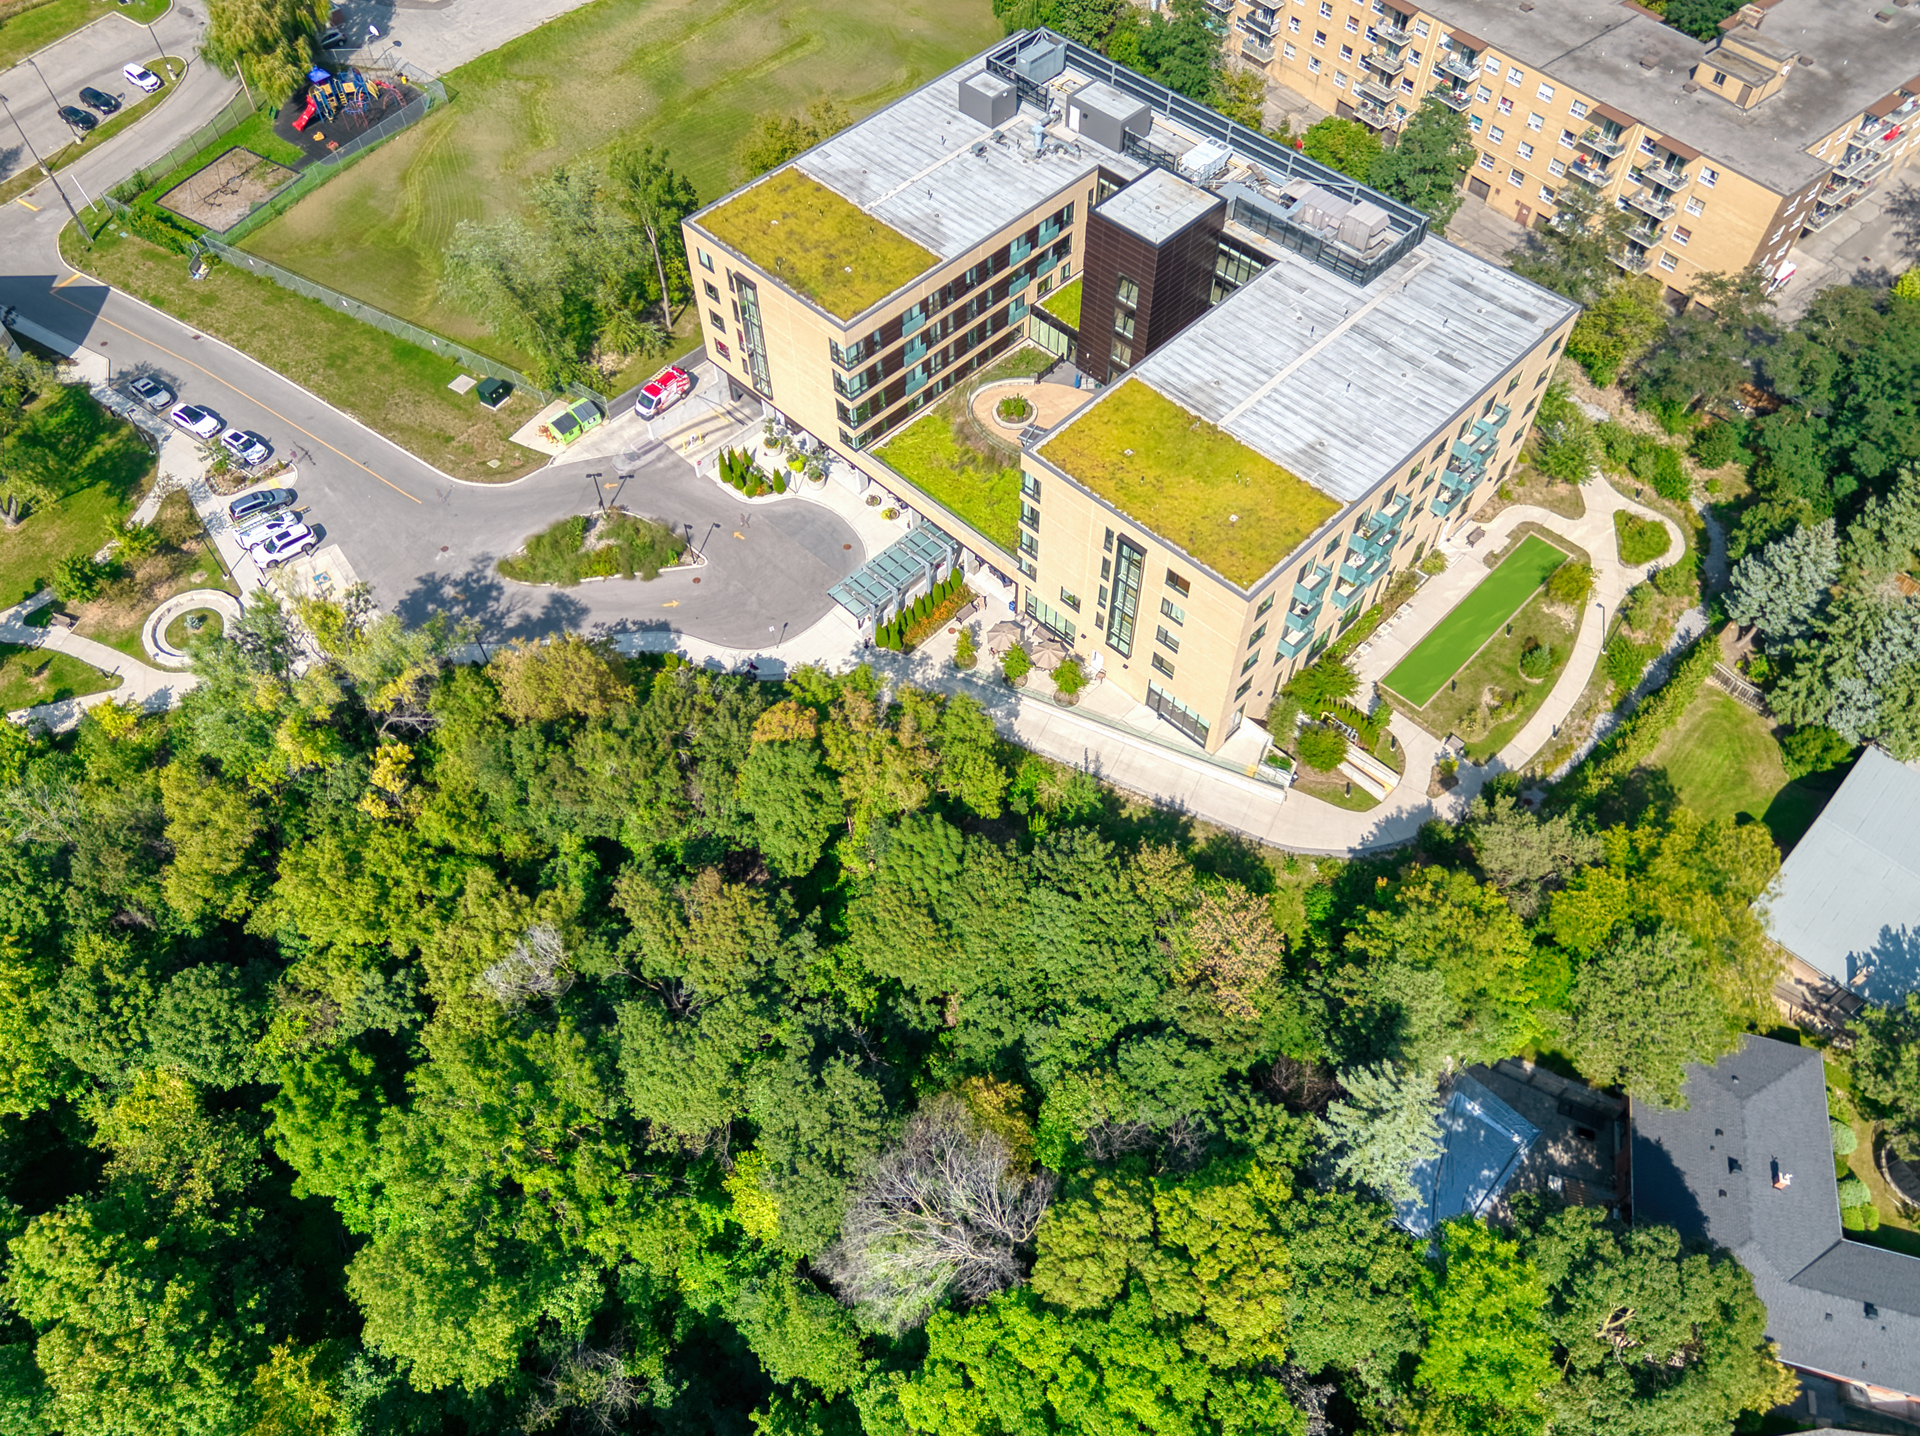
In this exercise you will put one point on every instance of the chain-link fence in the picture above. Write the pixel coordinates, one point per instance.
(365, 313)
(430, 95)
(232, 115)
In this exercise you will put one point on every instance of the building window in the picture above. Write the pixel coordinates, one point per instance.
(1178, 584)
(722, 349)
(1473, 123)
(1293, 24)
(1526, 150)
(1161, 665)
(1709, 176)
(1265, 604)
(1252, 658)
(1123, 323)
(1569, 140)
(1422, 29)
(1545, 91)
(1130, 562)
(1534, 122)
(1029, 545)
(1486, 162)
(1505, 106)
(719, 324)
(1127, 292)
(1030, 486)
(1174, 611)
(1668, 263)
(1288, 50)
(1339, 80)
(1108, 546)
(1482, 95)
(1353, 26)
(1406, 86)
(1313, 66)
(1696, 206)
(1719, 77)
(712, 293)
(1496, 136)
(1326, 9)
(1030, 516)
(1515, 177)
(1681, 234)
(1071, 600)
(1241, 691)
(1319, 39)
(1122, 356)
(1161, 635)
(1048, 616)
(1579, 109)
(1556, 168)
(1346, 53)
(1258, 634)
(1547, 196)
(1514, 75)
(706, 260)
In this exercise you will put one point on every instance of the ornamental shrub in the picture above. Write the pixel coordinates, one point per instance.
(1536, 658)
(965, 655)
(1640, 540)
(1854, 1193)
(1321, 748)
(1571, 582)
(1070, 677)
(1844, 1139)
(1016, 664)
(1716, 445)
(1813, 749)
(78, 578)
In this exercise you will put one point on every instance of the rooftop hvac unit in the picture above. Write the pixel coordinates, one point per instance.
(988, 99)
(1104, 115)
(1205, 161)
(1041, 61)
(1363, 226)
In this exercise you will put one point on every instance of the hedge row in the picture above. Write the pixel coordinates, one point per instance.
(1629, 745)
(906, 629)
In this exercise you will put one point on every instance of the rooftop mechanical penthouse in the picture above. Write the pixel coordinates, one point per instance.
(1292, 388)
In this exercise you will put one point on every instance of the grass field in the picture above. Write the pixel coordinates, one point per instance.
(42, 25)
(1491, 700)
(96, 465)
(686, 76)
(1479, 615)
(1723, 762)
(396, 388)
(33, 675)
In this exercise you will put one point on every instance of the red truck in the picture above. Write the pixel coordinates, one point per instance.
(662, 391)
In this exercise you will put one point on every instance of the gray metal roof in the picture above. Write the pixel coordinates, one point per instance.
(1711, 1170)
(912, 165)
(1484, 1140)
(1158, 205)
(1605, 50)
(1339, 383)
(884, 579)
(1848, 897)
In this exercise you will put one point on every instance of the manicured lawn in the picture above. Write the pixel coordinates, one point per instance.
(1723, 762)
(33, 675)
(1490, 700)
(838, 256)
(1480, 615)
(689, 77)
(42, 25)
(978, 483)
(396, 388)
(1064, 304)
(95, 465)
(1236, 511)
(183, 560)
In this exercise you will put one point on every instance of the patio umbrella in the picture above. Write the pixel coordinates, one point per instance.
(1001, 637)
(1050, 654)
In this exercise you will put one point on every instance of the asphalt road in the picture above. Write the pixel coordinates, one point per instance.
(92, 55)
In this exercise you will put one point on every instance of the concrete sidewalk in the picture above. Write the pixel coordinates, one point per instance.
(150, 688)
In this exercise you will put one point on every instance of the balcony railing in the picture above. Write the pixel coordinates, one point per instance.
(1461, 67)
(1667, 178)
(1377, 117)
(1861, 162)
(1446, 500)
(1293, 640)
(1634, 261)
(1391, 31)
(1453, 99)
(1258, 23)
(1611, 143)
(1251, 44)
(1588, 174)
(1373, 90)
(1383, 61)
(1647, 202)
(1647, 232)
(1220, 7)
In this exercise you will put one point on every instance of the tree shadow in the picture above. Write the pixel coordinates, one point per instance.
(498, 612)
(1889, 969)
(1903, 207)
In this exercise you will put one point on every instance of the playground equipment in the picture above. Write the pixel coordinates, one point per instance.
(331, 97)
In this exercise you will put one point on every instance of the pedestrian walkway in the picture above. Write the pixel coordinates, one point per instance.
(149, 688)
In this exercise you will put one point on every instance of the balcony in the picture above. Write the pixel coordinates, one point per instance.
(1460, 66)
(1345, 598)
(1383, 61)
(1446, 500)
(1259, 24)
(1667, 178)
(1293, 640)
(1862, 162)
(1647, 232)
(1587, 174)
(1220, 7)
(1608, 142)
(1377, 117)
(1634, 261)
(1252, 44)
(1392, 31)
(1374, 90)
(1453, 99)
(1649, 203)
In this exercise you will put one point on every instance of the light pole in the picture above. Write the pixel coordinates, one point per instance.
(43, 80)
(85, 233)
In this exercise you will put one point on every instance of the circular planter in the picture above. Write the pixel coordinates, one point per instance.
(153, 632)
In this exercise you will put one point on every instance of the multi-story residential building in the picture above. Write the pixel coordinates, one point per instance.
(1723, 152)
(1295, 388)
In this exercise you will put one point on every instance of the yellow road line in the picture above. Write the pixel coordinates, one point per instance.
(34, 207)
(62, 284)
(102, 319)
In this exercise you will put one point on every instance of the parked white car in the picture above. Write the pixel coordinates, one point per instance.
(246, 446)
(277, 547)
(155, 396)
(199, 422)
(142, 78)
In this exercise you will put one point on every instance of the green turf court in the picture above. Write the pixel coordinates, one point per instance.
(1419, 675)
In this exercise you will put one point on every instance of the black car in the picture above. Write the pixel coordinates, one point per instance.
(99, 100)
(78, 119)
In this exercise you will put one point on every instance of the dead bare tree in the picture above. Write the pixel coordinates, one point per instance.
(591, 1388)
(943, 1212)
(534, 969)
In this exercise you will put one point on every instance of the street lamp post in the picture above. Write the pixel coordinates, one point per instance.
(43, 80)
(85, 233)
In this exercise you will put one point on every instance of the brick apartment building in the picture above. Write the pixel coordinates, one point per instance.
(1723, 152)
(1293, 391)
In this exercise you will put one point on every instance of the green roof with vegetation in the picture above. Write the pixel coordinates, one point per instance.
(1064, 304)
(825, 247)
(1194, 486)
(929, 455)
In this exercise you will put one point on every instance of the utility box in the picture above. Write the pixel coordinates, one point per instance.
(1205, 161)
(1103, 115)
(1041, 61)
(988, 99)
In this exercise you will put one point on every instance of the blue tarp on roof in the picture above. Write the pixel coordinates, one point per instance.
(1484, 1140)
